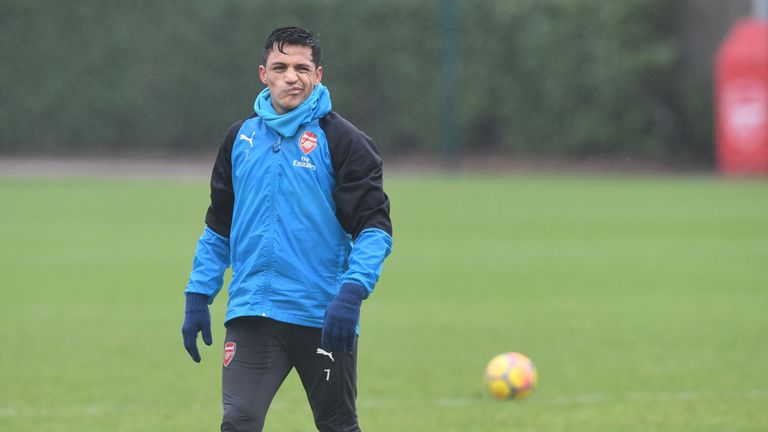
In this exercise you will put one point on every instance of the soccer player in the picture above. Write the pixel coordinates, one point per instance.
(298, 211)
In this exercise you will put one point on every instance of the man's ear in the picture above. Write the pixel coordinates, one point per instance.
(263, 74)
(318, 75)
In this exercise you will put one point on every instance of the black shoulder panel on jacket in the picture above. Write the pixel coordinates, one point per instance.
(359, 193)
(219, 216)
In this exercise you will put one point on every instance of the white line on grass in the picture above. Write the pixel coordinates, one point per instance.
(682, 395)
(70, 411)
(590, 398)
(93, 410)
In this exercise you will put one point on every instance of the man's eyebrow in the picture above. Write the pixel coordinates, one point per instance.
(307, 65)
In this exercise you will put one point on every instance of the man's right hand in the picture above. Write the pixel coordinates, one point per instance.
(197, 318)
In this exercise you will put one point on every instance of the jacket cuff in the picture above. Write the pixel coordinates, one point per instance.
(197, 301)
(352, 293)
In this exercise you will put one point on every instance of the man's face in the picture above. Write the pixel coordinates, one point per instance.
(290, 76)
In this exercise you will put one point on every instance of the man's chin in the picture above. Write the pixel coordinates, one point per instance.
(286, 106)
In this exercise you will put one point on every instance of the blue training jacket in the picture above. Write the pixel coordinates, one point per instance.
(295, 213)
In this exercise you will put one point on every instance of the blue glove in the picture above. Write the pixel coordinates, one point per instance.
(341, 318)
(197, 318)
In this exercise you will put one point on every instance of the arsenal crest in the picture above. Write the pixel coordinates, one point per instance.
(307, 142)
(229, 352)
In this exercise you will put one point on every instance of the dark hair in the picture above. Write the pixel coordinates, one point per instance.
(293, 36)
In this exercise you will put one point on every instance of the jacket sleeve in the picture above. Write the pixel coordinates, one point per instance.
(208, 266)
(212, 252)
(362, 206)
(219, 215)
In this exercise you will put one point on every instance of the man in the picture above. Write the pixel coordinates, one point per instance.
(299, 212)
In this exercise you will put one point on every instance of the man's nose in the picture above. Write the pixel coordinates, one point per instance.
(291, 75)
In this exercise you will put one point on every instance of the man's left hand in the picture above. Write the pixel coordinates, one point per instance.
(342, 317)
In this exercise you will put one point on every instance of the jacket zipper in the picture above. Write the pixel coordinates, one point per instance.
(275, 180)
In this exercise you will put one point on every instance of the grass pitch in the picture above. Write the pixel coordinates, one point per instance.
(642, 301)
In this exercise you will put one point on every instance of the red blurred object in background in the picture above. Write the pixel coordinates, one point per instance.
(741, 92)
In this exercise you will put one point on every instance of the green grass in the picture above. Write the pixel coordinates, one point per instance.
(643, 302)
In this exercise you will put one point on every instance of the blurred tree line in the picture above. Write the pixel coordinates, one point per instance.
(566, 78)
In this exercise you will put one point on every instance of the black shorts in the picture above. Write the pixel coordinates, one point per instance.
(258, 355)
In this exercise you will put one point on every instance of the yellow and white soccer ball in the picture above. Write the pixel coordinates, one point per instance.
(510, 376)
